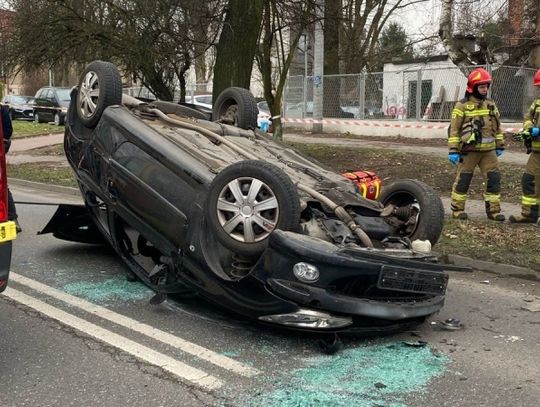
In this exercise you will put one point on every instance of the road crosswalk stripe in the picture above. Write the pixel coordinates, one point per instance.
(142, 352)
(145, 329)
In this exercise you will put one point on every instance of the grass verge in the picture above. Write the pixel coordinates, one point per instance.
(23, 128)
(43, 172)
(491, 241)
(391, 165)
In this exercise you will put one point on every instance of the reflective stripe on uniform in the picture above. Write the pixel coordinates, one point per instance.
(457, 112)
(499, 136)
(485, 146)
(456, 196)
(492, 197)
(479, 112)
(454, 139)
(528, 200)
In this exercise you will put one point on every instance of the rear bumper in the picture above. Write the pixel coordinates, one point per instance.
(7, 235)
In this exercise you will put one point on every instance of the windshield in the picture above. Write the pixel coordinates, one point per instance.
(21, 100)
(63, 94)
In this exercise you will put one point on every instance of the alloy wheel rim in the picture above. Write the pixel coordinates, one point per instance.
(89, 94)
(247, 209)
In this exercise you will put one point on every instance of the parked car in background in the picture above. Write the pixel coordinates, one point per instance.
(20, 107)
(200, 100)
(296, 110)
(51, 105)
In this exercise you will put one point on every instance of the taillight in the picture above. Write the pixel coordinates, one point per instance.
(3, 178)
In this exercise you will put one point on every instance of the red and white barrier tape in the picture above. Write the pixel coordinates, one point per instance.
(374, 123)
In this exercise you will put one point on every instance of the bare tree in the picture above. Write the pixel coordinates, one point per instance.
(151, 41)
(284, 23)
(237, 45)
(507, 32)
(361, 27)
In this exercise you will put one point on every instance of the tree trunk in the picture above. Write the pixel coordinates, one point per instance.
(454, 50)
(531, 28)
(237, 45)
(332, 22)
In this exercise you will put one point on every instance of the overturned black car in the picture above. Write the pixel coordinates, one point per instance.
(200, 201)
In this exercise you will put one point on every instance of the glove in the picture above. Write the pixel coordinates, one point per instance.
(454, 158)
(499, 151)
(535, 131)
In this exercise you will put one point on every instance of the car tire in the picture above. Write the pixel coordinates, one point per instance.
(36, 118)
(100, 86)
(223, 209)
(431, 211)
(58, 120)
(236, 106)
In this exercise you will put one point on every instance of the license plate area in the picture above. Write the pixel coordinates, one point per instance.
(412, 281)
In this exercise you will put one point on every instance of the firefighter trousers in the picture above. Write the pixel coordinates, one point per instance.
(488, 164)
(530, 185)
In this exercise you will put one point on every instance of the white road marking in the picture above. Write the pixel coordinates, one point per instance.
(165, 362)
(145, 329)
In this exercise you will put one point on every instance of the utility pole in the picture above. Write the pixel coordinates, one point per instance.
(318, 69)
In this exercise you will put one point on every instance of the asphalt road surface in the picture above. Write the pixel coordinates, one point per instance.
(74, 332)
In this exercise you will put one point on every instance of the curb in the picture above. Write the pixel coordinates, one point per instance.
(500, 269)
(45, 187)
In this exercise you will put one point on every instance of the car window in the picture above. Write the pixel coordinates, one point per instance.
(63, 94)
(39, 93)
(18, 100)
(204, 99)
(152, 173)
(48, 94)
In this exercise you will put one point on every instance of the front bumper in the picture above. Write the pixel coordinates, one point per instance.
(24, 114)
(7, 234)
(420, 293)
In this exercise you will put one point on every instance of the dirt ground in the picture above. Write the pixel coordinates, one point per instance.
(393, 164)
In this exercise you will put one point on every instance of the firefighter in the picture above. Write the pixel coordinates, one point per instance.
(475, 140)
(530, 180)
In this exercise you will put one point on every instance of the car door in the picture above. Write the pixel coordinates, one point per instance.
(148, 193)
(44, 104)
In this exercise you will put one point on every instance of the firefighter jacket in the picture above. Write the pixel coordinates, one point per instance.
(532, 119)
(475, 126)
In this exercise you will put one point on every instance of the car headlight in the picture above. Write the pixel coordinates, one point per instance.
(306, 272)
(64, 109)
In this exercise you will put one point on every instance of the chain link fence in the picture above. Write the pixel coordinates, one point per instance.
(427, 94)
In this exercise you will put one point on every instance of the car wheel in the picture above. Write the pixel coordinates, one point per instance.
(425, 204)
(100, 86)
(37, 118)
(58, 120)
(247, 201)
(236, 106)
